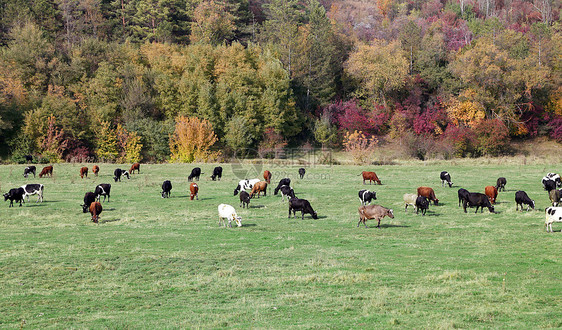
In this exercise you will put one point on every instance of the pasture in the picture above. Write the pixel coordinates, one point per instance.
(165, 263)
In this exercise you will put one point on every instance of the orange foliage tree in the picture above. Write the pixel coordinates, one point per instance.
(192, 140)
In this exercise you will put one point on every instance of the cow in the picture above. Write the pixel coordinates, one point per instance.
(428, 193)
(366, 196)
(479, 200)
(229, 213)
(410, 199)
(193, 191)
(33, 189)
(89, 198)
(554, 177)
(287, 191)
(296, 204)
(15, 194)
(446, 177)
(374, 211)
(521, 198)
(118, 173)
(492, 193)
(267, 176)
(95, 210)
(554, 196)
(549, 185)
(103, 189)
(134, 167)
(553, 214)
(282, 182)
(422, 203)
(95, 170)
(46, 171)
(500, 183)
(217, 173)
(195, 173)
(371, 176)
(258, 188)
(244, 199)
(245, 184)
(83, 172)
(28, 158)
(302, 172)
(28, 170)
(463, 195)
(166, 189)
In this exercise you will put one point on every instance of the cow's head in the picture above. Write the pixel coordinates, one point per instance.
(532, 204)
(237, 190)
(6, 195)
(436, 201)
(390, 214)
(314, 215)
(126, 173)
(238, 220)
(85, 208)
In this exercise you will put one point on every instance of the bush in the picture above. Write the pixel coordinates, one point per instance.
(492, 137)
(462, 139)
(360, 146)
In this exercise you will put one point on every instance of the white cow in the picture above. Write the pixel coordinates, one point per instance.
(228, 212)
(553, 214)
(245, 185)
(410, 199)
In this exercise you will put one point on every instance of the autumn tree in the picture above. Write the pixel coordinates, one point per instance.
(192, 140)
(213, 23)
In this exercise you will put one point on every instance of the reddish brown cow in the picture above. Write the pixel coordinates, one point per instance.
(95, 210)
(428, 193)
(47, 170)
(267, 176)
(83, 172)
(96, 169)
(135, 166)
(194, 191)
(492, 193)
(371, 176)
(258, 188)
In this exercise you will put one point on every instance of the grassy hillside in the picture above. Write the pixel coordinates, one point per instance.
(154, 262)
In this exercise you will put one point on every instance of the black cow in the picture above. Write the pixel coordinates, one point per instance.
(15, 194)
(33, 189)
(365, 196)
(521, 198)
(28, 158)
(480, 201)
(446, 177)
(296, 204)
(287, 191)
(103, 189)
(282, 182)
(195, 173)
(166, 189)
(500, 184)
(463, 195)
(28, 170)
(217, 173)
(118, 173)
(244, 199)
(89, 198)
(422, 203)
(549, 185)
(302, 171)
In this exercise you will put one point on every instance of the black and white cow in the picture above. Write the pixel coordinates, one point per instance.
(282, 182)
(446, 177)
(166, 189)
(28, 170)
(463, 195)
(15, 194)
(89, 198)
(552, 176)
(422, 203)
(118, 173)
(480, 201)
(217, 173)
(287, 191)
(521, 198)
(245, 185)
(33, 189)
(244, 199)
(549, 185)
(553, 214)
(103, 189)
(366, 196)
(195, 174)
(296, 204)
(302, 171)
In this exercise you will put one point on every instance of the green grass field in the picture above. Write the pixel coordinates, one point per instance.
(165, 263)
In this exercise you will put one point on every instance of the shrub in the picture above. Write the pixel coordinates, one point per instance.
(492, 137)
(272, 144)
(462, 139)
(555, 126)
(360, 146)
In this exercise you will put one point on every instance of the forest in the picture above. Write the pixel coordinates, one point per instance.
(194, 80)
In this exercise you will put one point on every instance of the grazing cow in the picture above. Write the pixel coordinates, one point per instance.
(287, 191)
(244, 199)
(376, 212)
(463, 195)
(135, 167)
(492, 193)
(554, 177)
(217, 173)
(296, 204)
(83, 172)
(258, 188)
(302, 171)
(195, 173)
(89, 198)
(554, 196)
(28, 170)
(103, 189)
(95, 210)
(446, 177)
(28, 158)
(500, 184)
(553, 214)
(521, 198)
(228, 212)
(479, 200)
(267, 176)
(118, 173)
(282, 182)
(422, 203)
(46, 171)
(193, 191)
(410, 199)
(96, 169)
(15, 194)
(245, 184)
(33, 189)
(428, 193)
(366, 196)
(166, 189)
(371, 176)
(549, 185)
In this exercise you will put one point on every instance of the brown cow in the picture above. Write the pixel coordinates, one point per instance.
(374, 211)
(95, 210)
(47, 170)
(83, 172)
(258, 188)
(492, 193)
(428, 193)
(194, 191)
(267, 176)
(371, 176)
(135, 166)
(96, 169)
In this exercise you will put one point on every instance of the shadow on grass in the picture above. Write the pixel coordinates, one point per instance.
(34, 205)
(112, 220)
(256, 206)
(249, 225)
(109, 209)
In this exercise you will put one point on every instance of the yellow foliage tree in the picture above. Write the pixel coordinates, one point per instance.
(192, 140)
(129, 145)
(466, 111)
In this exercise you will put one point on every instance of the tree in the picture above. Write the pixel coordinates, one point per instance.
(324, 132)
(192, 140)
(410, 38)
(238, 135)
(213, 23)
